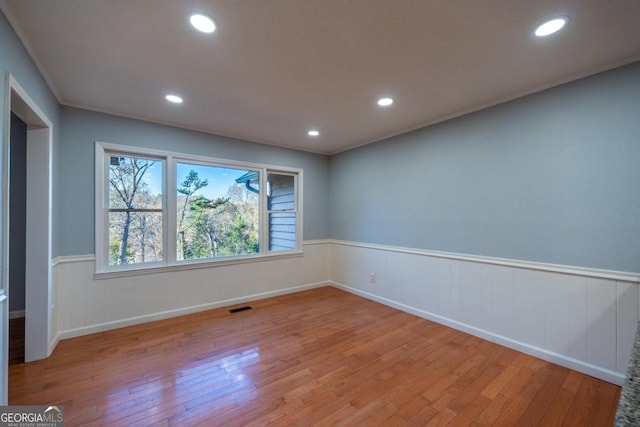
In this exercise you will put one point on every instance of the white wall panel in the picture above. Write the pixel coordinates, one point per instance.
(455, 309)
(475, 294)
(601, 330)
(443, 278)
(336, 268)
(502, 299)
(530, 308)
(580, 318)
(376, 263)
(400, 283)
(556, 315)
(87, 305)
(627, 321)
(427, 298)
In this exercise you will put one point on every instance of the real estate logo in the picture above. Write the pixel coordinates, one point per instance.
(31, 416)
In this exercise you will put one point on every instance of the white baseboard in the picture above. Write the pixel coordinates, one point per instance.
(76, 332)
(567, 362)
(54, 342)
(17, 314)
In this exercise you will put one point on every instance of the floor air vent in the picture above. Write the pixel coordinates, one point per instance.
(236, 310)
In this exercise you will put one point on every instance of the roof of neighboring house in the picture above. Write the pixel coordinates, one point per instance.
(251, 176)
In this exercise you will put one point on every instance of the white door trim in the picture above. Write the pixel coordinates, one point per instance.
(39, 295)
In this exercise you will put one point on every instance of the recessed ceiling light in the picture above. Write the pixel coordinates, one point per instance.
(385, 102)
(173, 98)
(551, 26)
(313, 132)
(202, 23)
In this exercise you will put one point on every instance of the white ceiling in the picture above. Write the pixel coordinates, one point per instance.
(277, 68)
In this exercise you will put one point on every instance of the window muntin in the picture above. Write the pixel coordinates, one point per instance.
(135, 211)
(216, 215)
(155, 213)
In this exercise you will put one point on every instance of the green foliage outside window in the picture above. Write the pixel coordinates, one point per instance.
(220, 226)
(207, 227)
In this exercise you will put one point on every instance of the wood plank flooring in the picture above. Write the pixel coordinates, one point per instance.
(320, 357)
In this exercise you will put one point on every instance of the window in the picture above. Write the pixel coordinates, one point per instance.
(167, 210)
(282, 211)
(217, 216)
(134, 210)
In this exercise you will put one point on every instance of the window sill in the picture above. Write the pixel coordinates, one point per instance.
(192, 265)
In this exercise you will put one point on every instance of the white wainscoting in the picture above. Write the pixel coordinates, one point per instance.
(86, 305)
(583, 319)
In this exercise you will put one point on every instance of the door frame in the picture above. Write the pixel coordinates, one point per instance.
(38, 275)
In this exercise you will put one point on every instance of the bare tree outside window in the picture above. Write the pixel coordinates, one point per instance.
(135, 211)
(214, 210)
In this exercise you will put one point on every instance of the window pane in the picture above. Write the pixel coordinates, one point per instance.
(282, 217)
(282, 231)
(134, 183)
(217, 211)
(135, 237)
(281, 194)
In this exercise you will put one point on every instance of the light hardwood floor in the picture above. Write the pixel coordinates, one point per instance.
(319, 357)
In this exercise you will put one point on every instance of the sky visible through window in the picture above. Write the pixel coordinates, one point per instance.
(219, 179)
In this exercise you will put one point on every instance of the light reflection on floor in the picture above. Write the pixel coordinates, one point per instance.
(226, 381)
(212, 382)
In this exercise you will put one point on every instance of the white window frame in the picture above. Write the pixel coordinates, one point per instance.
(169, 215)
(296, 201)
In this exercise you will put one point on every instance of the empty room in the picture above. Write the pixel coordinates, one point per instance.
(320, 212)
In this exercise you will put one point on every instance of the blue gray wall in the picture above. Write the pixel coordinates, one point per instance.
(15, 60)
(552, 177)
(81, 128)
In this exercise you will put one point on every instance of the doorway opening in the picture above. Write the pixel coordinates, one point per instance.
(17, 237)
